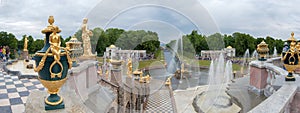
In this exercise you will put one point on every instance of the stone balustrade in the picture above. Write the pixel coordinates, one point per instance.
(279, 102)
(282, 96)
(84, 78)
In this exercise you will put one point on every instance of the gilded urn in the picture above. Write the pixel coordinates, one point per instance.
(290, 57)
(262, 50)
(52, 64)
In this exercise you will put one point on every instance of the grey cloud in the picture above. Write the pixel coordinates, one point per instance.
(274, 18)
(260, 18)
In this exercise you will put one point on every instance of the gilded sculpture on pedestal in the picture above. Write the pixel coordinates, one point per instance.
(129, 67)
(25, 44)
(290, 58)
(262, 50)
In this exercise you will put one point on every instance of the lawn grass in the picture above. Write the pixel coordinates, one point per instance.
(159, 58)
(206, 63)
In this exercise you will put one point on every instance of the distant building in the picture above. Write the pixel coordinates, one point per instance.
(228, 52)
(113, 51)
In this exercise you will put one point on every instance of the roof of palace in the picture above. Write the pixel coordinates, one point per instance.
(112, 46)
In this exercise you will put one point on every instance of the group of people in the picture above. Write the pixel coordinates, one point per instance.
(4, 53)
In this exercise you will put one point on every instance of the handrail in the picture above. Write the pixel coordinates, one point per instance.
(112, 84)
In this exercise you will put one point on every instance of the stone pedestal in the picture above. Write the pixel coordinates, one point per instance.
(116, 73)
(25, 55)
(35, 103)
(258, 76)
(83, 78)
(116, 76)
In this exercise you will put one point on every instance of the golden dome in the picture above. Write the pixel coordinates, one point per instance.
(112, 46)
(229, 47)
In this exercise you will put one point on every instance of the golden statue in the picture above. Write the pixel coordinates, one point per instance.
(168, 81)
(25, 44)
(148, 78)
(141, 77)
(54, 41)
(129, 67)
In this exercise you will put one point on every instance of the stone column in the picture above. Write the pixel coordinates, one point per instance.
(258, 76)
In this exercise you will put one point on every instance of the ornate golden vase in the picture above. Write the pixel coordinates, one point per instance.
(262, 50)
(290, 58)
(52, 64)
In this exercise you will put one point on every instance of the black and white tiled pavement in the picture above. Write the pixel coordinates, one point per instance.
(14, 92)
(160, 102)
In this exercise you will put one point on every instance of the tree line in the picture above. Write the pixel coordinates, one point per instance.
(191, 43)
(136, 40)
(240, 41)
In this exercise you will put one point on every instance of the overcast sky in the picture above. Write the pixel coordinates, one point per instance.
(170, 19)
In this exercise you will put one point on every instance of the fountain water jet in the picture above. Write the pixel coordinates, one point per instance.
(254, 54)
(275, 52)
(228, 72)
(245, 63)
(215, 98)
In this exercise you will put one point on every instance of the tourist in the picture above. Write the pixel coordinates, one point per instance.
(1, 55)
(4, 53)
(7, 52)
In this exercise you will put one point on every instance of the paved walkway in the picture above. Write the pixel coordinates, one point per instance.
(160, 102)
(14, 92)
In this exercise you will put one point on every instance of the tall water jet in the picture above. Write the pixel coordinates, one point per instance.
(245, 69)
(211, 73)
(219, 75)
(215, 95)
(275, 52)
(254, 54)
(228, 72)
(172, 65)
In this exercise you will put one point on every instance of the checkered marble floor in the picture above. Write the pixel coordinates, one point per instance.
(160, 102)
(14, 92)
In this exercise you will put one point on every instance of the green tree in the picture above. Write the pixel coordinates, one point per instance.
(215, 41)
(8, 39)
(243, 42)
(38, 44)
(198, 41)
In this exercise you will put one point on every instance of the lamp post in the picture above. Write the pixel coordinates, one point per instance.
(52, 64)
(290, 57)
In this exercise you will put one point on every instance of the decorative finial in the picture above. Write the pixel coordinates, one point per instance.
(51, 20)
(292, 38)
